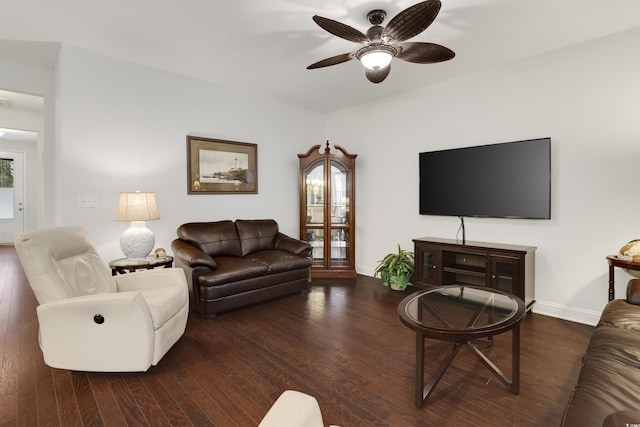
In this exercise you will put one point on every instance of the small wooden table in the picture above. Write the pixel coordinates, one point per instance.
(614, 261)
(460, 315)
(125, 265)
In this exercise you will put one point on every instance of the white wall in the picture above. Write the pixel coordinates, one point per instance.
(586, 98)
(123, 127)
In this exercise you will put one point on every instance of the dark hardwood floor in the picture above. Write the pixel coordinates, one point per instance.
(341, 342)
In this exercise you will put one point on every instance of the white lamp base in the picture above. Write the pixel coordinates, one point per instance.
(137, 241)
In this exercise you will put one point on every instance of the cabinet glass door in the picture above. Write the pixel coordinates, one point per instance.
(339, 214)
(315, 197)
(504, 274)
(427, 269)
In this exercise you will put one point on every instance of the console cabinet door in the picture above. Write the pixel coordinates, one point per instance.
(428, 266)
(505, 275)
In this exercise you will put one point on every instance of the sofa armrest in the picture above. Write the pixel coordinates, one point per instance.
(633, 291)
(191, 256)
(294, 246)
(623, 418)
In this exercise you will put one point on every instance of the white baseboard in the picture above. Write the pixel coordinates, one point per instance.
(573, 314)
(565, 312)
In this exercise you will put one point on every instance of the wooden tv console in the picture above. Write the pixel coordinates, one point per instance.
(509, 268)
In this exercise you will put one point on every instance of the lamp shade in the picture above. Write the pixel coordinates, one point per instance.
(137, 206)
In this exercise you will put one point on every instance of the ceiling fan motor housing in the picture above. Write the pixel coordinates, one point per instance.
(376, 17)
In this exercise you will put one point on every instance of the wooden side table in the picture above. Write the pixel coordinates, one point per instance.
(125, 265)
(614, 261)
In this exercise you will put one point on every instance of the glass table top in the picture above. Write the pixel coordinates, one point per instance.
(460, 308)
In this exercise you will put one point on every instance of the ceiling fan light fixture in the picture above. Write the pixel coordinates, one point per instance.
(376, 57)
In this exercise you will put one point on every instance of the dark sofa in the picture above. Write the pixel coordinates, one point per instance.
(608, 389)
(230, 264)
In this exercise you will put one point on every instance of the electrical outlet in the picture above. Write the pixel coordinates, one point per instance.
(88, 201)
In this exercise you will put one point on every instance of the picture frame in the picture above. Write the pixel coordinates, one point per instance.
(216, 166)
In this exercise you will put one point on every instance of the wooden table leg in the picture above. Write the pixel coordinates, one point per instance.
(419, 386)
(612, 289)
(422, 391)
(515, 359)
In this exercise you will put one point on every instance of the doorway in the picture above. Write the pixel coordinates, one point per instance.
(21, 163)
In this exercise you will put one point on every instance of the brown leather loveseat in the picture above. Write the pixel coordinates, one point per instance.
(233, 264)
(608, 389)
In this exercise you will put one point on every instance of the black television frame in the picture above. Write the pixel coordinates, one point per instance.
(503, 180)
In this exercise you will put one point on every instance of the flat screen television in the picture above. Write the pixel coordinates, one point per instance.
(506, 180)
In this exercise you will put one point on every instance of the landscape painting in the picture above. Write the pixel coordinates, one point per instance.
(218, 166)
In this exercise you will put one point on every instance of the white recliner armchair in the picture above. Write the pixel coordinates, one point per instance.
(92, 321)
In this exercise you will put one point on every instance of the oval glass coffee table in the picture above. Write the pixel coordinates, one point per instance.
(459, 315)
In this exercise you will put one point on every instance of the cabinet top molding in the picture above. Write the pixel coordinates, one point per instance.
(479, 245)
(327, 151)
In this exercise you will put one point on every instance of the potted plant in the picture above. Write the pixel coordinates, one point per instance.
(396, 269)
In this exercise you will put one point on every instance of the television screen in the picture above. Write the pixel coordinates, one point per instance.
(507, 180)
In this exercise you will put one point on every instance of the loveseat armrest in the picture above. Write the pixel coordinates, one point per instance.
(191, 256)
(291, 245)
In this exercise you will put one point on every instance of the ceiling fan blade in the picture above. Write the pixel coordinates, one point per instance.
(377, 76)
(412, 21)
(424, 53)
(338, 59)
(341, 30)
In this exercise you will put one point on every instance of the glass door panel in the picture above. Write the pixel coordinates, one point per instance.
(504, 274)
(427, 262)
(314, 184)
(315, 237)
(339, 247)
(6, 189)
(339, 195)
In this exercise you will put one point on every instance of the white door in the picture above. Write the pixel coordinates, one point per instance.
(12, 176)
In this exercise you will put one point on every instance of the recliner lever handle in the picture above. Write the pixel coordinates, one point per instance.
(99, 319)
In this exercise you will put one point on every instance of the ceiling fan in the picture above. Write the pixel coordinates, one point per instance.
(382, 44)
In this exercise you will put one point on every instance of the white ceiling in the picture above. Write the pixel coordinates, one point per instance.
(263, 47)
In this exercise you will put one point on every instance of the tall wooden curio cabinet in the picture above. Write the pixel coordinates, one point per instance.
(327, 209)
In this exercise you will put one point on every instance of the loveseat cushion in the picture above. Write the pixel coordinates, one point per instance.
(217, 238)
(257, 234)
(233, 269)
(278, 261)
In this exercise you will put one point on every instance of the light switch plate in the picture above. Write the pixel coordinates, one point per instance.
(88, 201)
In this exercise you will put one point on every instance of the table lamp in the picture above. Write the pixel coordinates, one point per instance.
(137, 241)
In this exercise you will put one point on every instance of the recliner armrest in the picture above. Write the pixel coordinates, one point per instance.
(89, 332)
(294, 246)
(151, 279)
(191, 255)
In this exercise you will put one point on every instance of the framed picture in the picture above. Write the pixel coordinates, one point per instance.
(215, 166)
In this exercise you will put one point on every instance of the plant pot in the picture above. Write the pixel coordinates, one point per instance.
(401, 286)
(397, 286)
